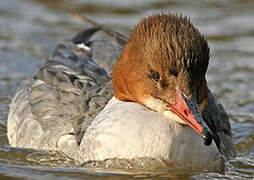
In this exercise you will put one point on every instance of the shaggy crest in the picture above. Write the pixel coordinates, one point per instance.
(167, 37)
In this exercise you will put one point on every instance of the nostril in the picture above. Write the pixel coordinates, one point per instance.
(185, 112)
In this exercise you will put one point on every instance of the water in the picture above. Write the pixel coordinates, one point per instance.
(30, 29)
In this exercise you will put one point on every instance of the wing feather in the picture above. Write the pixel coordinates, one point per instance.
(217, 120)
(53, 109)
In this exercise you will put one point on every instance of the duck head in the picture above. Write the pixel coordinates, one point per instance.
(163, 67)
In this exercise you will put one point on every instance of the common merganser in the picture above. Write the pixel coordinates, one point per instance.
(161, 107)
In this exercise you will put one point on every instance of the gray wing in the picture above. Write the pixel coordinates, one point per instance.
(217, 120)
(53, 109)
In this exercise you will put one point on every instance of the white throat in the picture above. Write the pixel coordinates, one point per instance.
(160, 106)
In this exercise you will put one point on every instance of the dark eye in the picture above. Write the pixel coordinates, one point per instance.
(155, 75)
(174, 73)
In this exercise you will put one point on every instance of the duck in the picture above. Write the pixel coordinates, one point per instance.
(145, 96)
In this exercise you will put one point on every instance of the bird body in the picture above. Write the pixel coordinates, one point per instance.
(160, 108)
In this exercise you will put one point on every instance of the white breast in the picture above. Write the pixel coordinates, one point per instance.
(128, 130)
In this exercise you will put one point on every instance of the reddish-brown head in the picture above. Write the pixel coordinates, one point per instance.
(163, 66)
